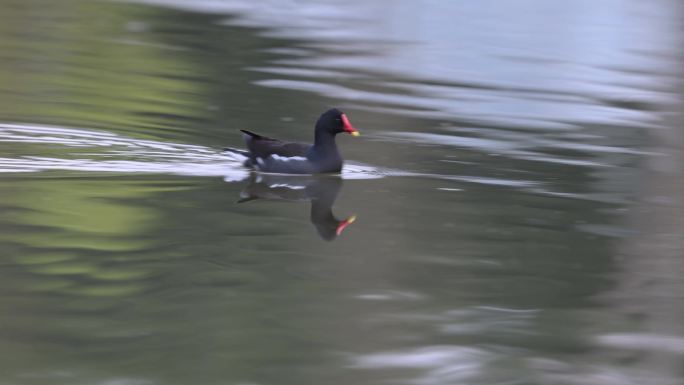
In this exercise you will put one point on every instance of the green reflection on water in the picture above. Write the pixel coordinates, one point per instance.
(82, 61)
(79, 229)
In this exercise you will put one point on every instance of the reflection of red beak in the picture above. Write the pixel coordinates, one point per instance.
(347, 127)
(344, 224)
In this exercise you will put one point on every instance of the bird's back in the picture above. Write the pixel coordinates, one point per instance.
(262, 147)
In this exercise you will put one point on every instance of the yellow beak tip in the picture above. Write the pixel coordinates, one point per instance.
(355, 133)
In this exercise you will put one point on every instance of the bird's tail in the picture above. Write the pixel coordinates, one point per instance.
(253, 135)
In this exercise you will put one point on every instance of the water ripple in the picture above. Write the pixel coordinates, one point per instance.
(108, 152)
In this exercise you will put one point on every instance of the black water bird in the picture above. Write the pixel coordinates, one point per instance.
(275, 156)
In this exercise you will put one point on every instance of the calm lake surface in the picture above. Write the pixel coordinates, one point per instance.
(517, 193)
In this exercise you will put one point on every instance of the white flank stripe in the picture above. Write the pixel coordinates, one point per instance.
(291, 187)
(287, 158)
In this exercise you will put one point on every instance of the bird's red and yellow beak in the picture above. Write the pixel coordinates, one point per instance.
(347, 127)
(344, 224)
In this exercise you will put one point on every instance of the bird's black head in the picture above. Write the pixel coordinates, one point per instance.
(334, 122)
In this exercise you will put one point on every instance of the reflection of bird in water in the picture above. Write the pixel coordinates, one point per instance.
(320, 190)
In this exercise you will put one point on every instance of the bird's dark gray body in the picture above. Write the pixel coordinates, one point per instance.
(272, 155)
(275, 156)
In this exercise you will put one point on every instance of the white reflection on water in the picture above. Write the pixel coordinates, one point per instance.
(108, 152)
(641, 341)
(442, 364)
(521, 62)
(390, 295)
(489, 362)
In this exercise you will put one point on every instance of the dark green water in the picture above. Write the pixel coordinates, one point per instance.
(516, 188)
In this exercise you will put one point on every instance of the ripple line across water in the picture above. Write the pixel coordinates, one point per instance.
(109, 152)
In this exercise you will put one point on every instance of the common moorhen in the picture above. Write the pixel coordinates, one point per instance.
(275, 156)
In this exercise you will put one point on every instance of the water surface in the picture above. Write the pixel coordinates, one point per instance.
(515, 193)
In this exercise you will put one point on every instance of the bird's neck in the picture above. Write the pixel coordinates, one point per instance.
(323, 140)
